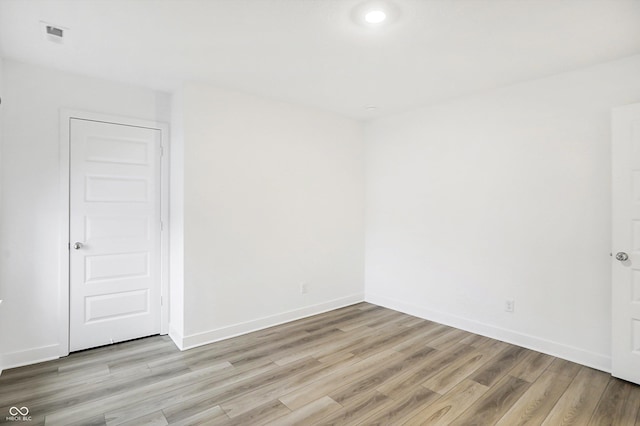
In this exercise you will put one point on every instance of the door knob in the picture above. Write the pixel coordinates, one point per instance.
(78, 246)
(622, 256)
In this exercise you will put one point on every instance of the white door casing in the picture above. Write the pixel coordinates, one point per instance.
(116, 205)
(625, 294)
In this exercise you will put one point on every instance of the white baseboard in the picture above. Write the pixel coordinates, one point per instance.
(29, 356)
(560, 350)
(176, 336)
(48, 353)
(199, 339)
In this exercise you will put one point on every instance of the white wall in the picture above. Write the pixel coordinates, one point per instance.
(501, 195)
(176, 220)
(1, 233)
(29, 204)
(273, 198)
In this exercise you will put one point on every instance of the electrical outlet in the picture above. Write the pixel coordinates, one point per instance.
(509, 305)
(304, 288)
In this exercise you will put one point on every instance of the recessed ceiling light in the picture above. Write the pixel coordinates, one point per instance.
(375, 16)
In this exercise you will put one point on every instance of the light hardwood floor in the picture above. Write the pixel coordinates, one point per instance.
(358, 365)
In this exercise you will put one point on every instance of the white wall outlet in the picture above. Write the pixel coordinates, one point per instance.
(304, 287)
(509, 305)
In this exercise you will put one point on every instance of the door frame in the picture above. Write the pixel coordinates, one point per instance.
(64, 211)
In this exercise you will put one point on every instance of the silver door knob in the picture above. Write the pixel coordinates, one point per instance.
(77, 246)
(622, 256)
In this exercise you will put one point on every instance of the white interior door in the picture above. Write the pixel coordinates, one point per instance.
(114, 230)
(625, 350)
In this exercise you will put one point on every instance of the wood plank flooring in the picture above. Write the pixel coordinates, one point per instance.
(360, 365)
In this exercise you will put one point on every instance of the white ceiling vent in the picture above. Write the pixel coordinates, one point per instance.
(54, 33)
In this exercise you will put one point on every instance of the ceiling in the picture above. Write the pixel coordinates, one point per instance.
(315, 53)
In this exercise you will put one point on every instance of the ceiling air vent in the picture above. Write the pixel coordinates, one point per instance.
(54, 33)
